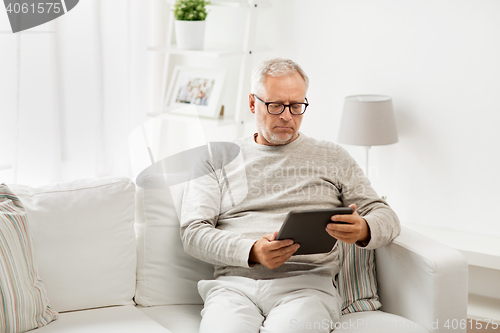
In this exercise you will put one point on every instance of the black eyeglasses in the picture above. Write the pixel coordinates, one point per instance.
(278, 108)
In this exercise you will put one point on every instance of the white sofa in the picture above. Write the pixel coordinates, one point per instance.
(112, 260)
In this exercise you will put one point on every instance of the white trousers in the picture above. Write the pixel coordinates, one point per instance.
(295, 304)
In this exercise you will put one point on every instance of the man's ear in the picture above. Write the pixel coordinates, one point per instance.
(251, 103)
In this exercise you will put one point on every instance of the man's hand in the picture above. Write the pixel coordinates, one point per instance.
(272, 253)
(356, 231)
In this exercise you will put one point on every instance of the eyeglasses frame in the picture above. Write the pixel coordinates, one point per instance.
(284, 106)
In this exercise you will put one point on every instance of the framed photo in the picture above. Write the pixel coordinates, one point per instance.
(200, 87)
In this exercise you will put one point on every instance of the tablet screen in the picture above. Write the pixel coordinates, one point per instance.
(308, 229)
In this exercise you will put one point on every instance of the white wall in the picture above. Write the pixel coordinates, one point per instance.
(440, 62)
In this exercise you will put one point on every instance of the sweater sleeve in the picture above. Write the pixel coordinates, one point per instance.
(201, 205)
(356, 189)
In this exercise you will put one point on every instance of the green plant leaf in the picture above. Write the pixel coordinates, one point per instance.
(190, 10)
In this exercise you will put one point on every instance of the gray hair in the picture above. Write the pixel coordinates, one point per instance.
(274, 67)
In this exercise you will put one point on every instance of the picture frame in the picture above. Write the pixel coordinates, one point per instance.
(199, 87)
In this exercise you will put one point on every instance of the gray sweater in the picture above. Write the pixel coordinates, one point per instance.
(229, 208)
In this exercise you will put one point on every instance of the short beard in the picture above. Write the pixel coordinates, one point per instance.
(272, 138)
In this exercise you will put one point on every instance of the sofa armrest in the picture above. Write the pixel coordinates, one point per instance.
(424, 281)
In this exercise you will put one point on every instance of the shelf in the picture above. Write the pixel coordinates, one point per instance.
(214, 51)
(479, 250)
(481, 307)
(229, 3)
(5, 167)
(187, 119)
(236, 3)
(211, 51)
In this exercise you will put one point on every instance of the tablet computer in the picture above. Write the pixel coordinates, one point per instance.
(307, 228)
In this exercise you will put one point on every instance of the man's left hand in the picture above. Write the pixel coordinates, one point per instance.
(357, 230)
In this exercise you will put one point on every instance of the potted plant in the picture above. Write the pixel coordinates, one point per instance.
(190, 18)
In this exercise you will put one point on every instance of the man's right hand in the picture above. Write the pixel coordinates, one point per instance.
(272, 253)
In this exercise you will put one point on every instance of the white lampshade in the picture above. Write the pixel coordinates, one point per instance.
(368, 120)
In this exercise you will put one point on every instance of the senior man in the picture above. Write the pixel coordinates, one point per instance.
(259, 286)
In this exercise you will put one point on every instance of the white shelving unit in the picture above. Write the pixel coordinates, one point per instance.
(244, 52)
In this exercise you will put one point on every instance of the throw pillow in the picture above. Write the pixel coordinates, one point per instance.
(357, 279)
(23, 303)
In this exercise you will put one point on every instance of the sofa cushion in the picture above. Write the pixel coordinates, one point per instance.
(23, 302)
(84, 240)
(377, 322)
(116, 319)
(357, 279)
(186, 319)
(165, 274)
(177, 318)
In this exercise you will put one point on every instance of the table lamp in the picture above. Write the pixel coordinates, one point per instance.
(368, 120)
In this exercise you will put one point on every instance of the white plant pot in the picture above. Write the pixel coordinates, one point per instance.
(190, 34)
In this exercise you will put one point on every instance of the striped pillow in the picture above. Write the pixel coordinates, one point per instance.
(23, 302)
(357, 279)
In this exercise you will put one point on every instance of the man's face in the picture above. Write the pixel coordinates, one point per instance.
(278, 129)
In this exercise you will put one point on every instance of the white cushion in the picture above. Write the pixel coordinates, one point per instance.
(165, 273)
(83, 232)
(377, 322)
(177, 318)
(117, 319)
(186, 319)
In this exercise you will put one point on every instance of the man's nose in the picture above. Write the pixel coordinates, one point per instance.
(286, 114)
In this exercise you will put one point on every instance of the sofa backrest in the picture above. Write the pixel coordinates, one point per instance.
(84, 240)
(103, 241)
